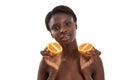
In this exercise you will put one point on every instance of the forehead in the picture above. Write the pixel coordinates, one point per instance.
(60, 17)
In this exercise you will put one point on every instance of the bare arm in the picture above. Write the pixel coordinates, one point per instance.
(98, 70)
(43, 71)
(49, 65)
(95, 62)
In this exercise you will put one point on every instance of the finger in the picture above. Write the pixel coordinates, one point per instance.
(95, 52)
(98, 52)
(49, 53)
(45, 53)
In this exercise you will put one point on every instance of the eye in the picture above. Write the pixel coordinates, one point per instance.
(68, 23)
(55, 28)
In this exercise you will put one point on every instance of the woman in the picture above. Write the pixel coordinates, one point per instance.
(61, 22)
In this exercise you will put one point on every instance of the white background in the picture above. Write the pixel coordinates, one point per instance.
(23, 34)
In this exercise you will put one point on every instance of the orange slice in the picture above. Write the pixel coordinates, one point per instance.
(84, 48)
(54, 48)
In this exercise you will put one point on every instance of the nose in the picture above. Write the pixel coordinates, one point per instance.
(63, 29)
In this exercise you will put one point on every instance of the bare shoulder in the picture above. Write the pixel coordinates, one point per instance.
(43, 71)
(43, 63)
(98, 71)
(98, 63)
(44, 66)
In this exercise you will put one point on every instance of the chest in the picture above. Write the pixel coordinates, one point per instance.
(69, 70)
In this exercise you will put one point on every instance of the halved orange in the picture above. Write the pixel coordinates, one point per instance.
(54, 48)
(84, 48)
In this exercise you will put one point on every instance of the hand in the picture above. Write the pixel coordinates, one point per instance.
(52, 60)
(89, 58)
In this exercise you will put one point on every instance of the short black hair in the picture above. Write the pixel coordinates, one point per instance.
(59, 9)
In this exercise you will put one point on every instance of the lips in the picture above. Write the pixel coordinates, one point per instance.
(65, 37)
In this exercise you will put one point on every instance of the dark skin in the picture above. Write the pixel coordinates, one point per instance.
(70, 64)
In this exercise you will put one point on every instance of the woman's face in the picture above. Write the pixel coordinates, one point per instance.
(63, 28)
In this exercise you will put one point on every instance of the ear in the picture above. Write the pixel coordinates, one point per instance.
(76, 25)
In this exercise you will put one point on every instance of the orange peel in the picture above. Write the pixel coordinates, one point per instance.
(55, 48)
(84, 48)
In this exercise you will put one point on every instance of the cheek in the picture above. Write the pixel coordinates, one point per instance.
(54, 34)
(74, 32)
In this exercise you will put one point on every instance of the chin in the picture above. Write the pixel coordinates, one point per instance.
(67, 41)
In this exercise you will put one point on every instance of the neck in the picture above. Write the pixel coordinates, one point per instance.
(70, 50)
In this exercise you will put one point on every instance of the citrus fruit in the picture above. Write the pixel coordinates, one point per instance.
(54, 48)
(85, 47)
